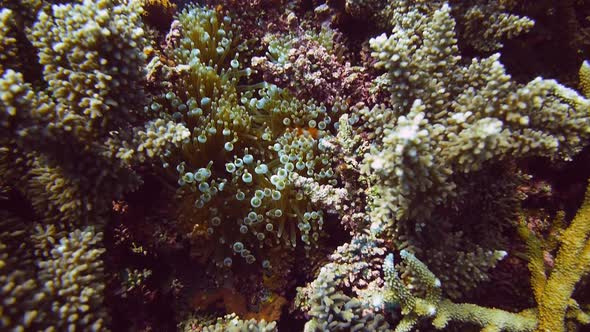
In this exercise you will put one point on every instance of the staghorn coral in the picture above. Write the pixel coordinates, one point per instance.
(17, 307)
(9, 42)
(584, 74)
(553, 286)
(330, 308)
(92, 54)
(71, 272)
(483, 25)
(450, 124)
(430, 304)
(486, 24)
(51, 280)
(53, 127)
(97, 82)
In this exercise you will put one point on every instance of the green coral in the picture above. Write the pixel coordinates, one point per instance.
(72, 276)
(487, 23)
(17, 307)
(251, 171)
(51, 279)
(431, 305)
(552, 288)
(330, 306)
(8, 44)
(483, 24)
(449, 126)
(57, 109)
(91, 54)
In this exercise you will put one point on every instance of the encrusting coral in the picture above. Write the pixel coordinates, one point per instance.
(219, 165)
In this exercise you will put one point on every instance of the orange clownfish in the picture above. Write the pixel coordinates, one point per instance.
(313, 132)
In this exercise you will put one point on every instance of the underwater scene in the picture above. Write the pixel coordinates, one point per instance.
(295, 165)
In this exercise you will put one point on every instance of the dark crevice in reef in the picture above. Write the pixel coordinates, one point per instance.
(555, 47)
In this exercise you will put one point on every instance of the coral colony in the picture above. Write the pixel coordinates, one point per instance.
(294, 165)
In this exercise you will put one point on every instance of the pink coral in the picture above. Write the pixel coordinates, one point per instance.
(312, 71)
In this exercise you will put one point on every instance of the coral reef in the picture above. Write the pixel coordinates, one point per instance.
(91, 76)
(450, 127)
(51, 279)
(262, 165)
(553, 286)
(234, 148)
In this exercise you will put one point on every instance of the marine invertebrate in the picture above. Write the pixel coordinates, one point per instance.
(341, 297)
(450, 126)
(53, 124)
(231, 148)
(414, 150)
(486, 24)
(91, 68)
(584, 74)
(8, 45)
(483, 25)
(231, 323)
(19, 286)
(442, 311)
(553, 286)
(309, 66)
(71, 276)
(51, 279)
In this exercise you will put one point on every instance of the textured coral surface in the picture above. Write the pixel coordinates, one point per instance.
(294, 165)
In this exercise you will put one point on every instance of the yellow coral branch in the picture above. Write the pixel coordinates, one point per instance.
(585, 78)
(536, 262)
(571, 263)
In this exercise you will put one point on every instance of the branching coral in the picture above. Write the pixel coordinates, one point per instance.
(442, 311)
(52, 132)
(92, 54)
(50, 279)
(483, 24)
(450, 124)
(333, 308)
(8, 44)
(486, 24)
(553, 287)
